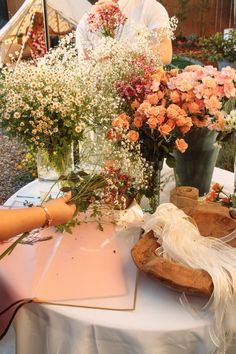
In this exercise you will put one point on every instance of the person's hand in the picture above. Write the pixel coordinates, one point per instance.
(60, 212)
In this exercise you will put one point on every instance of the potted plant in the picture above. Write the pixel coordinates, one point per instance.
(220, 48)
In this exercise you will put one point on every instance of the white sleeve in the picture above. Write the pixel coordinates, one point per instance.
(156, 15)
(81, 34)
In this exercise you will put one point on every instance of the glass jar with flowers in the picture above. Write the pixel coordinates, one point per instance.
(41, 106)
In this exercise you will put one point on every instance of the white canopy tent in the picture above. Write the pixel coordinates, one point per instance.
(62, 16)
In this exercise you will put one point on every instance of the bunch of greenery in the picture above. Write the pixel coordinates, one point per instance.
(217, 47)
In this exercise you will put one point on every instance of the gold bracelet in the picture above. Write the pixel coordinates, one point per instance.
(48, 221)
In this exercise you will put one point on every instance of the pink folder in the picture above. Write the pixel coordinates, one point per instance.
(89, 268)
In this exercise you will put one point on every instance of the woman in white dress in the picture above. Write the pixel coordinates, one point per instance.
(146, 12)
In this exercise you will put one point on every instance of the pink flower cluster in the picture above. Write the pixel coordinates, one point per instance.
(161, 106)
(202, 92)
(152, 112)
(106, 17)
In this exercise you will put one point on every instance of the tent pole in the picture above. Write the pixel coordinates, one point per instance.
(46, 30)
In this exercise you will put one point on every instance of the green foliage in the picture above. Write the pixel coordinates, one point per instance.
(216, 47)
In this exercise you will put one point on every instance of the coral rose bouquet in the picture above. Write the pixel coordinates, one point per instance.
(151, 120)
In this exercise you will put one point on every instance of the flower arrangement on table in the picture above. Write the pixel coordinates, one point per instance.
(41, 106)
(207, 95)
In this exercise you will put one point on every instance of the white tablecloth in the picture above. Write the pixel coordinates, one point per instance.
(158, 325)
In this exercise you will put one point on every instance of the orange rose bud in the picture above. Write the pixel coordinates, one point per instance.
(133, 135)
(216, 187)
(212, 196)
(138, 122)
(181, 145)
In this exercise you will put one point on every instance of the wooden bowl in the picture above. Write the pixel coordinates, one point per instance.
(212, 220)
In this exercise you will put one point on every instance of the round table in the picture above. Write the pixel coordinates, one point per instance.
(158, 325)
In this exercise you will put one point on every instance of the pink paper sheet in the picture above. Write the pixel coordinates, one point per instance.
(89, 268)
(87, 265)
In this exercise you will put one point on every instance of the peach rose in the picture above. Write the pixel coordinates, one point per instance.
(153, 111)
(152, 122)
(193, 107)
(181, 121)
(175, 96)
(138, 122)
(181, 145)
(144, 106)
(133, 135)
(153, 98)
(165, 129)
(173, 111)
(122, 121)
(213, 104)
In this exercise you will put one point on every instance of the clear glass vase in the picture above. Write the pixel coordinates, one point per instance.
(54, 163)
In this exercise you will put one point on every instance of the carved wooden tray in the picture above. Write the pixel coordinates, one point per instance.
(212, 220)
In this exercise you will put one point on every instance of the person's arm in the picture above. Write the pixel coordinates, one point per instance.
(164, 49)
(16, 221)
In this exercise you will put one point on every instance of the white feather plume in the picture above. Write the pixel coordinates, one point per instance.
(182, 242)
